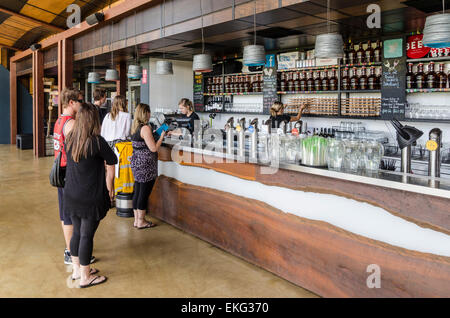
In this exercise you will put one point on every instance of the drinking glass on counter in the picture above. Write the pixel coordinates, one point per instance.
(372, 153)
(335, 154)
(352, 156)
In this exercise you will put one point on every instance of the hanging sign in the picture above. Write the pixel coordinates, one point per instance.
(144, 76)
(415, 48)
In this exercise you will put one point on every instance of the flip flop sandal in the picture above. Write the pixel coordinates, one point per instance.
(93, 271)
(147, 226)
(92, 282)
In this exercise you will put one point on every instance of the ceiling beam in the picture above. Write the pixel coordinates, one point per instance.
(48, 26)
(8, 47)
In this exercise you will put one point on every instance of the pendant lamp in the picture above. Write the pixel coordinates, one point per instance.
(436, 33)
(202, 62)
(329, 45)
(112, 74)
(254, 55)
(93, 77)
(164, 67)
(135, 70)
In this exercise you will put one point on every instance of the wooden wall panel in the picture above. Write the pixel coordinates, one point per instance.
(13, 102)
(38, 104)
(312, 254)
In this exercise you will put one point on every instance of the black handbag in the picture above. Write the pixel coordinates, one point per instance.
(58, 173)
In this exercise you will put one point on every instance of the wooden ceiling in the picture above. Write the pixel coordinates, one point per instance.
(24, 22)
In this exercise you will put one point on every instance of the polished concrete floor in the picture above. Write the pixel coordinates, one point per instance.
(158, 262)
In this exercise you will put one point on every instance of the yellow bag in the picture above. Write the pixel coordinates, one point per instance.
(124, 181)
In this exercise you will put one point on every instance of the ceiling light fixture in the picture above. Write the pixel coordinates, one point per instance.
(436, 33)
(164, 67)
(254, 55)
(329, 45)
(202, 63)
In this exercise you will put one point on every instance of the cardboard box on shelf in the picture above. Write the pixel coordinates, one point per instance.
(287, 60)
(324, 62)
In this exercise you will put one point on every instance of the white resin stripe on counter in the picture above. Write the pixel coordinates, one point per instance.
(357, 217)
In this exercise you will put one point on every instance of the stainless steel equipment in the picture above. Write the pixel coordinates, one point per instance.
(241, 138)
(406, 137)
(253, 130)
(434, 146)
(229, 128)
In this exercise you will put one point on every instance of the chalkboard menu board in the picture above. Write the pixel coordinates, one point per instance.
(393, 88)
(199, 105)
(270, 88)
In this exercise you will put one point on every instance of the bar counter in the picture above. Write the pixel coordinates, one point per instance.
(322, 230)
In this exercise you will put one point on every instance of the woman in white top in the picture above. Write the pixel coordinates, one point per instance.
(116, 126)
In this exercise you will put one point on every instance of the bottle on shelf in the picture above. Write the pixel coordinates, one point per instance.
(420, 77)
(310, 81)
(290, 82)
(283, 82)
(372, 80)
(441, 77)
(370, 55)
(345, 57)
(410, 77)
(354, 80)
(363, 79)
(333, 81)
(325, 80)
(431, 76)
(345, 80)
(360, 54)
(297, 81)
(351, 55)
(377, 52)
(302, 82)
(317, 82)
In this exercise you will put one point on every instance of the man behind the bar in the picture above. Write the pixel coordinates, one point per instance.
(100, 102)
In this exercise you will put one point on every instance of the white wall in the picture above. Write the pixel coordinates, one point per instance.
(167, 90)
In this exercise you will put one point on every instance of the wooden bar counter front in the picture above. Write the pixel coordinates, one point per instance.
(334, 237)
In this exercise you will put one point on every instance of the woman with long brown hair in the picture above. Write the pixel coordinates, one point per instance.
(88, 194)
(117, 124)
(144, 163)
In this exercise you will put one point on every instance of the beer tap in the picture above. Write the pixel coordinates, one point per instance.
(253, 130)
(241, 137)
(229, 128)
(434, 145)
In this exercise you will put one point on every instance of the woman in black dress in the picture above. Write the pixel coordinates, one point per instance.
(88, 194)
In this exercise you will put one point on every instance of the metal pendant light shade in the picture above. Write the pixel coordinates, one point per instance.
(164, 68)
(436, 33)
(93, 78)
(112, 75)
(254, 55)
(329, 45)
(202, 63)
(134, 72)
